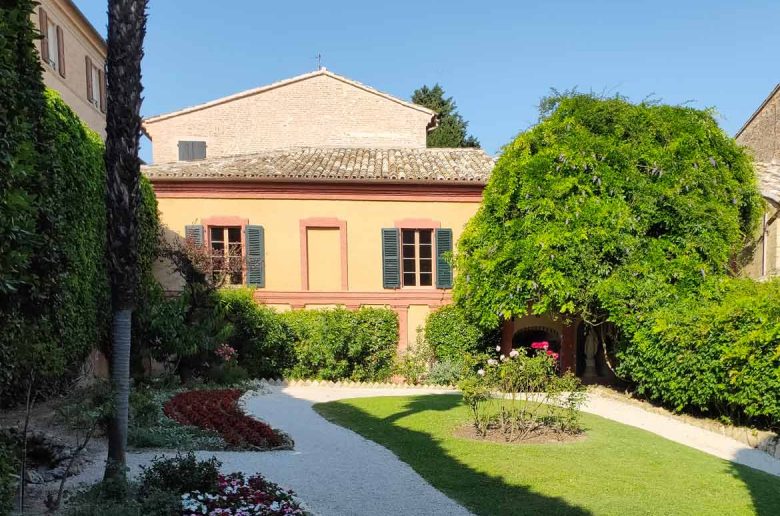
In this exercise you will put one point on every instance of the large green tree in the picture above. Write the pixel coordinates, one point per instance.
(126, 30)
(451, 128)
(604, 210)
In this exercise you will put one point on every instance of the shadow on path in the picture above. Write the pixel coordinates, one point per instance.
(479, 492)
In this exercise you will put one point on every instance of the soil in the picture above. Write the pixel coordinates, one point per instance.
(55, 438)
(541, 436)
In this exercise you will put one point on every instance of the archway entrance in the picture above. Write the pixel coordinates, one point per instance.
(524, 337)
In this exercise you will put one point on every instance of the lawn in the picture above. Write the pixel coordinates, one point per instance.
(617, 469)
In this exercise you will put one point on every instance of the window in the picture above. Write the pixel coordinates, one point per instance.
(52, 40)
(226, 254)
(94, 79)
(417, 257)
(192, 150)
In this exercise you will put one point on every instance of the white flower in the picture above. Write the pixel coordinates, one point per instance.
(513, 353)
(492, 361)
(498, 348)
(502, 357)
(481, 372)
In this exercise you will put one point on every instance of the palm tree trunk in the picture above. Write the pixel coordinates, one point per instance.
(126, 30)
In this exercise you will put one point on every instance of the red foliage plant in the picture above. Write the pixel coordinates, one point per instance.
(218, 410)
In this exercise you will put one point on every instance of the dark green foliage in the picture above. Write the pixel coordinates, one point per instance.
(263, 341)
(180, 474)
(604, 209)
(227, 374)
(451, 335)
(451, 129)
(716, 350)
(157, 492)
(339, 344)
(8, 468)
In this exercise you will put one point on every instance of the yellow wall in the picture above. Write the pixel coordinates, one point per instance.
(324, 267)
(281, 219)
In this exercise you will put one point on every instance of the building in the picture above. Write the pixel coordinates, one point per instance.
(73, 56)
(325, 188)
(761, 135)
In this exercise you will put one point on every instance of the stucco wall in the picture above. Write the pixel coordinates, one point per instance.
(78, 43)
(319, 111)
(765, 260)
(281, 220)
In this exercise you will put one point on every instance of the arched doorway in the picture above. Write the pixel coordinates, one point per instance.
(523, 338)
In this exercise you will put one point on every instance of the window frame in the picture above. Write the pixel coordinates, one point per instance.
(53, 45)
(417, 258)
(94, 78)
(227, 242)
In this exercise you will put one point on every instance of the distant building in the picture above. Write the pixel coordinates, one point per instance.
(761, 134)
(73, 55)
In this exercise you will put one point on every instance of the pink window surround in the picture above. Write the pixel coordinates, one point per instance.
(323, 223)
(417, 224)
(222, 221)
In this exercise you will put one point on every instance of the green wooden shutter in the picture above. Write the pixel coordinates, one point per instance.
(195, 233)
(391, 260)
(255, 256)
(443, 267)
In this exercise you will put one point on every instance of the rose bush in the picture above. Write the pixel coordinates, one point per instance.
(522, 395)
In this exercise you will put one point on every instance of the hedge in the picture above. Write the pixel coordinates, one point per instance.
(716, 352)
(263, 341)
(338, 344)
(54, 292)
(452, 335)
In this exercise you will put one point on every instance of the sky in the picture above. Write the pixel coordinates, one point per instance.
(495, 58)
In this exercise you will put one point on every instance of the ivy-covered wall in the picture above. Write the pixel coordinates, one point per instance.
(54, 294)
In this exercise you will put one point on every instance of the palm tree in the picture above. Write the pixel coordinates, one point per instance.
(126, 30)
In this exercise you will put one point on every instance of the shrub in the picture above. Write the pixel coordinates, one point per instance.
(263, 340)
(180, 474)
(416, 361)
(451, 335)
(227, 374)
(445, 372)
(532, 398)
(715, 351)
(8, 470)
(338, 343)
(237, 494)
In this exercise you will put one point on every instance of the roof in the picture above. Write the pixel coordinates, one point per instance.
(769, 180)
(757, 111)
(324, 164)
(321, 72)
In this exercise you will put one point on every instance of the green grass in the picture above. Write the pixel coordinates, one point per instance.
(617, 470)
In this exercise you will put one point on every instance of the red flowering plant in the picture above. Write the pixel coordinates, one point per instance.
(520, 395)
(218, 410)
(241, 496)
(226, 352)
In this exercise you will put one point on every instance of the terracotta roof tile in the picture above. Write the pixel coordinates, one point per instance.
(337, 164)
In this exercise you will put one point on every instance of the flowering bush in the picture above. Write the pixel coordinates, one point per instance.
(522, 395)
(226, 352)
(218, 410)
(237, 495)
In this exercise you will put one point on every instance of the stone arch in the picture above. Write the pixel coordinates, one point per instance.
(524, 337)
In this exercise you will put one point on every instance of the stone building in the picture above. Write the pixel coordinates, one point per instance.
(73, 56)
(761, 135)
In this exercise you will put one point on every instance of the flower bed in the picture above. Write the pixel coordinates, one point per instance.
(237, 495)
(218, 410)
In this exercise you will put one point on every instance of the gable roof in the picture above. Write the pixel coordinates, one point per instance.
(757, 111)
(321, 72)
(324, 164)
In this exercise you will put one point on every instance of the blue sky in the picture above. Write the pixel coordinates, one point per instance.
(496, 58)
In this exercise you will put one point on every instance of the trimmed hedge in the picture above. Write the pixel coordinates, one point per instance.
(341, 344)
(452, 336)
(717, 352)
(263, 341)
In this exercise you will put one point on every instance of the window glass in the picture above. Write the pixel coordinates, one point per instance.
(417, 257)
(54, 54)
(226, 254)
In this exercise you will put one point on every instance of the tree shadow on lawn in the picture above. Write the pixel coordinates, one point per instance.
(764, 496)
(450, 476)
